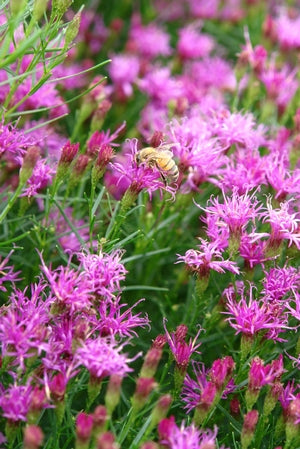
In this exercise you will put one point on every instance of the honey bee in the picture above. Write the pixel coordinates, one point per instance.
(162, 159)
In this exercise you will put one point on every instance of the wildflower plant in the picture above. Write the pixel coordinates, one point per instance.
(137, 312)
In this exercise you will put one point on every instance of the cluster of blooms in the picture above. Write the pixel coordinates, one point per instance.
(229, 127)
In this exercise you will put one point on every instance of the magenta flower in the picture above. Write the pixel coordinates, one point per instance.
(192, 44)
(260, 374)
(115, 320)
(239, 129)
(252, 249)
(250, 316)
(278, 282)
(69, 290)
(7, 273)
(123, 70)
(24, 325)
(287, 30)
(236, 212)
(204, 10)
(15, 402)
(207, 257)
(148, 40)
(102, 273)
(161, 86)
(102, 357)
(181, 350)
(41, 177)
(140, 176)
(284, 223)
(199, 391)
(174, 437)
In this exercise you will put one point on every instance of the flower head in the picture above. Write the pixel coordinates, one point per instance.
(102, 357)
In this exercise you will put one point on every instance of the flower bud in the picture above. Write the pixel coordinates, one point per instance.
(160, 410)
(29, 162)
(149, 445)
(113, 391)
(39, 9)
(84, 427)
(33, 437)
(144, 386)
(107, 441)
(250, 421)
(72, 29)
(151, 362)
(100, 419)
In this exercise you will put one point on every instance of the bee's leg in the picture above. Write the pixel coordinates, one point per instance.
(164, 178)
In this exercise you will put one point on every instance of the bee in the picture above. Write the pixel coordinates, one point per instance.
(162, 159)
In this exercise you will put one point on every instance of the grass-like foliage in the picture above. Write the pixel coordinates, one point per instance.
(150, 226)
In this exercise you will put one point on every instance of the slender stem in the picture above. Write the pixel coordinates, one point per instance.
(11, 202)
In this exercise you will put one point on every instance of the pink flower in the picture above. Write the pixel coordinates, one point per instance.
(140, 176)
(102, 357)
(7, 273)
(102, 273)
(203, 9)
(69, 289)
(284, 223)
(148, 40)
(24, 326)
(41, 177)
(236, 212)
(260, 374)
(250, 316)
(207, 257)
(117, 319)
(181, 350)
(160, 86)
(123, 70)
(287, 30)
(192, 44)
(15, 402)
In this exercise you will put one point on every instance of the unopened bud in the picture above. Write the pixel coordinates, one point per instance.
(107, 441)
(84, 427)
(59, 7)
(149, 445)
(72, 29)
(100, 419)
(161, 409)
(33, 437)
(113, 392)
(151, 362)
(144, 386)
(30, 159)
(250, 421)
(39, 8)
(157, 139)
(17, 6)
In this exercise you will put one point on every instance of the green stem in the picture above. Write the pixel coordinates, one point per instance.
(11, 202)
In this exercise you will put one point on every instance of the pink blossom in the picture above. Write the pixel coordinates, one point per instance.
(250, 316)
(148, 40)
(192, 44)
(7, 273)
(102, 273)
(287, 30)
(15, 402)
(284, 223)
(102, 357)
(123, 70)
(160, 86)
(207, 257)
(181, 350)
(117, 319)
(203, 9)
(140, 176)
